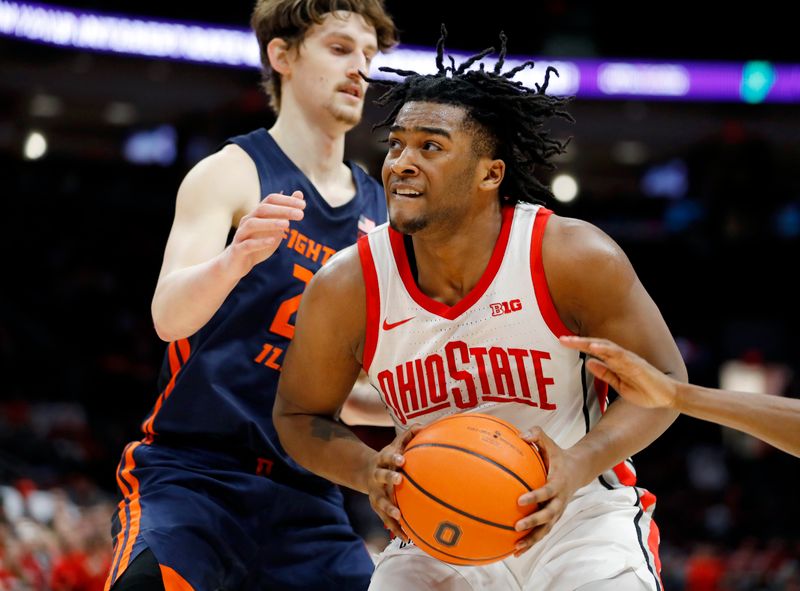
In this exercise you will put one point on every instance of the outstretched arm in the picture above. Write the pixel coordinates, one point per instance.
(773, 419)
(199, 271)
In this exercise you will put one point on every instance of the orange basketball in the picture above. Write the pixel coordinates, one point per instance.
(461, 480)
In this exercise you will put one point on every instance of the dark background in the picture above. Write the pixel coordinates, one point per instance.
(83, 232)
(679, 29)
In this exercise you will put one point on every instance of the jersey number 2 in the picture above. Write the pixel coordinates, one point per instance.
(280, 324)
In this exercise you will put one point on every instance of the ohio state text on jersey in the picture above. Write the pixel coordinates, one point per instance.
(496, 351)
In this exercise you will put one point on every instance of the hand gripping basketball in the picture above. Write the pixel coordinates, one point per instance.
(550, 500)
(384, 475)
(462, 479)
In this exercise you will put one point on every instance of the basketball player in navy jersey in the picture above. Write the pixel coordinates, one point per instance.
(456, 306)
(210, 499)
(773, 419)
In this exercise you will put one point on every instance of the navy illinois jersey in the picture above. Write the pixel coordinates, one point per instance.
(221, 382)
(209, 490)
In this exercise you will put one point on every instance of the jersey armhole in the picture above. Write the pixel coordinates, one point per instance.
(543, 297)
(373, 302)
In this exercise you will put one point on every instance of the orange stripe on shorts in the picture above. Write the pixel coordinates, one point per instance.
(134, 507)
(173, 581)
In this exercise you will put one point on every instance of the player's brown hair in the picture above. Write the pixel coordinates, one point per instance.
(291, 19)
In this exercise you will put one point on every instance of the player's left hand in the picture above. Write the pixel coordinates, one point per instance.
(553, 497)
(383, 474)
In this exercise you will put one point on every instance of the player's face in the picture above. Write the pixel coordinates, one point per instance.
(324, 73)
(430, 173)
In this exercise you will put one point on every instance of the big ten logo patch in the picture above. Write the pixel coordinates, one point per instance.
(508, 307)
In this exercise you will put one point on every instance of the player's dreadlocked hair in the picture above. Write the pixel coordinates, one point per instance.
(507, 115)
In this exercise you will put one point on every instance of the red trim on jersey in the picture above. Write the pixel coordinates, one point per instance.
(601, 388)
(652, 543)
(507, 399)
(373, 301)
(546, 305)
(648, 499)
(625, 475)
(438, 308)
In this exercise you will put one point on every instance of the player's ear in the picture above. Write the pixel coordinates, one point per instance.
(493, 173)
(278, 53)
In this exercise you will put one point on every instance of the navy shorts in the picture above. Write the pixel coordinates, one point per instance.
(217, 521)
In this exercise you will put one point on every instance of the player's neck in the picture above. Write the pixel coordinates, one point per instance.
(316, 150)
(450, 263)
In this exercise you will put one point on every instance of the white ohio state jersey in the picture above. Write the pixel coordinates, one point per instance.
(496, 351)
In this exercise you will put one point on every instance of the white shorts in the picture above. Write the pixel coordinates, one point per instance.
(603, 535)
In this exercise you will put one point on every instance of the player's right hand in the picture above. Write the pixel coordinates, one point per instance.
(384, 476)
(631, 376)
(260, 232)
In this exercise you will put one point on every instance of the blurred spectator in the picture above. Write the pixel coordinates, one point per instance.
(65, 549)
(704, 570)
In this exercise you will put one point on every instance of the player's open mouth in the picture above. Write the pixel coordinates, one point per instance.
(405, 193)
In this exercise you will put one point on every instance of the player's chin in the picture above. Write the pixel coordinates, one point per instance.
(348, 114)
(406, 222)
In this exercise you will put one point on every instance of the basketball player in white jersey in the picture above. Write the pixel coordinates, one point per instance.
(457, 306)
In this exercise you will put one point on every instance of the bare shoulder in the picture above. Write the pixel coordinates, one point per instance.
(584, 267)
(576, 247)
(227, 179)
(334, 303)
(340, 281)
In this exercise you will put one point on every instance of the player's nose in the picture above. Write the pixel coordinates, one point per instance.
(404, 165)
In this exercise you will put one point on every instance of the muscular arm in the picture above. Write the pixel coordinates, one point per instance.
(318, 373)
(773, 419)
(597, 292)
(199, 271)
